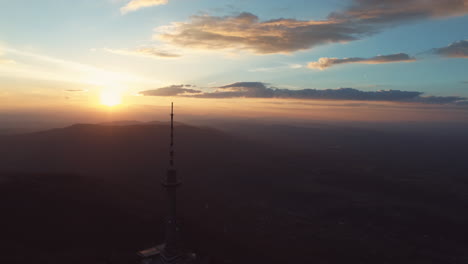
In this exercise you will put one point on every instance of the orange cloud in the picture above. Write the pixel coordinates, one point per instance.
(246, 32)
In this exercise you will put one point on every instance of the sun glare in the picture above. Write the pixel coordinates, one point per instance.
(111, 97)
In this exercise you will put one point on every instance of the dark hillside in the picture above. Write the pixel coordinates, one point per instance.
(91, 194)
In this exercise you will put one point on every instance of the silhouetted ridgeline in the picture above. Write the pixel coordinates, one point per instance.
(260, 194)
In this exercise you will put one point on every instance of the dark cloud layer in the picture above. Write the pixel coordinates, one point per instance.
(441, 99)
(324, 63)
(457, 49)
(173, 90)
(246, 32)
(260, 90)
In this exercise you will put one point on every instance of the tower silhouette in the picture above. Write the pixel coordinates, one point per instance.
(171, 252)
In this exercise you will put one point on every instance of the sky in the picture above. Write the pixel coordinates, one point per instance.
(400, 60)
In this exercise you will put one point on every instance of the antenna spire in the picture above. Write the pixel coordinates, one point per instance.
(171, 252)
(171, 152)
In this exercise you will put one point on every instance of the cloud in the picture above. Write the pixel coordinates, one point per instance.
(75, 90)
(241, 89)
(441, 100)
(173, 90)
(400, 11)
(277, 68)
(150, 52)
(6, 61)
(324, 63)
(3, 60)
(260, 90)
(457, 49)
(245, 31)
(138, 4)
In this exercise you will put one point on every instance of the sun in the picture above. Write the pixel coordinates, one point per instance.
(109, 97)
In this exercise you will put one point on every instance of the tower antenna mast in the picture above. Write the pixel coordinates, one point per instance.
(171, 252)
(171, 153)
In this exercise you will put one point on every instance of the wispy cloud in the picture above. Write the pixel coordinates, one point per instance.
(75, 90)
(6, 61)
(457, 49)
(277, 68)
(150, 52)
(261, 90)
(138, 4)
(3, 60)
(324, 63)
(245, 31)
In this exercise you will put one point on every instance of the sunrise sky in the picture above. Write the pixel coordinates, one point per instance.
(347, 59)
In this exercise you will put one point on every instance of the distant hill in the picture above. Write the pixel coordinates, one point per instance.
(121, 123)
(105, 147)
